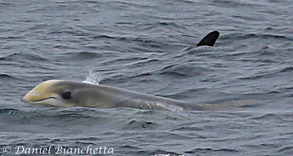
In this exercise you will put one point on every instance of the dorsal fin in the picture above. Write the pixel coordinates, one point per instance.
(209, 39)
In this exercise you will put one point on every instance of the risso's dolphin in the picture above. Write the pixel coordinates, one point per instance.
(64, 93)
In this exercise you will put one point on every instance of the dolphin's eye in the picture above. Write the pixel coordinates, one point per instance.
(66, 95)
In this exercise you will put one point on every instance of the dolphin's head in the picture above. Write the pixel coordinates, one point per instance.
(59, 93)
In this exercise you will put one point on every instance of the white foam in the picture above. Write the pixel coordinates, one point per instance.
(169, 107)
(93, 78)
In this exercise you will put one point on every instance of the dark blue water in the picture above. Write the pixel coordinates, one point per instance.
(147, 46)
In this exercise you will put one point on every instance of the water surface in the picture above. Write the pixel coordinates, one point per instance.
(139, 46)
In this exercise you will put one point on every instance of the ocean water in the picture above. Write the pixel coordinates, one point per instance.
(148, 46)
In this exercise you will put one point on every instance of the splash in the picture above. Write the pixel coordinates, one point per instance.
(93, 78)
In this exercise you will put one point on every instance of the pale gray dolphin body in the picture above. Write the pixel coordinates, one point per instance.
(69, 94)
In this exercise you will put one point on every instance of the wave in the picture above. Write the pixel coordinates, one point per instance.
(268, 74)
(211, 150)
(237, 36)
(7, 77)
(183, 70)
(22, 56)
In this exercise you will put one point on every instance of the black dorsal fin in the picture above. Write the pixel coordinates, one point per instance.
(209, 39)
